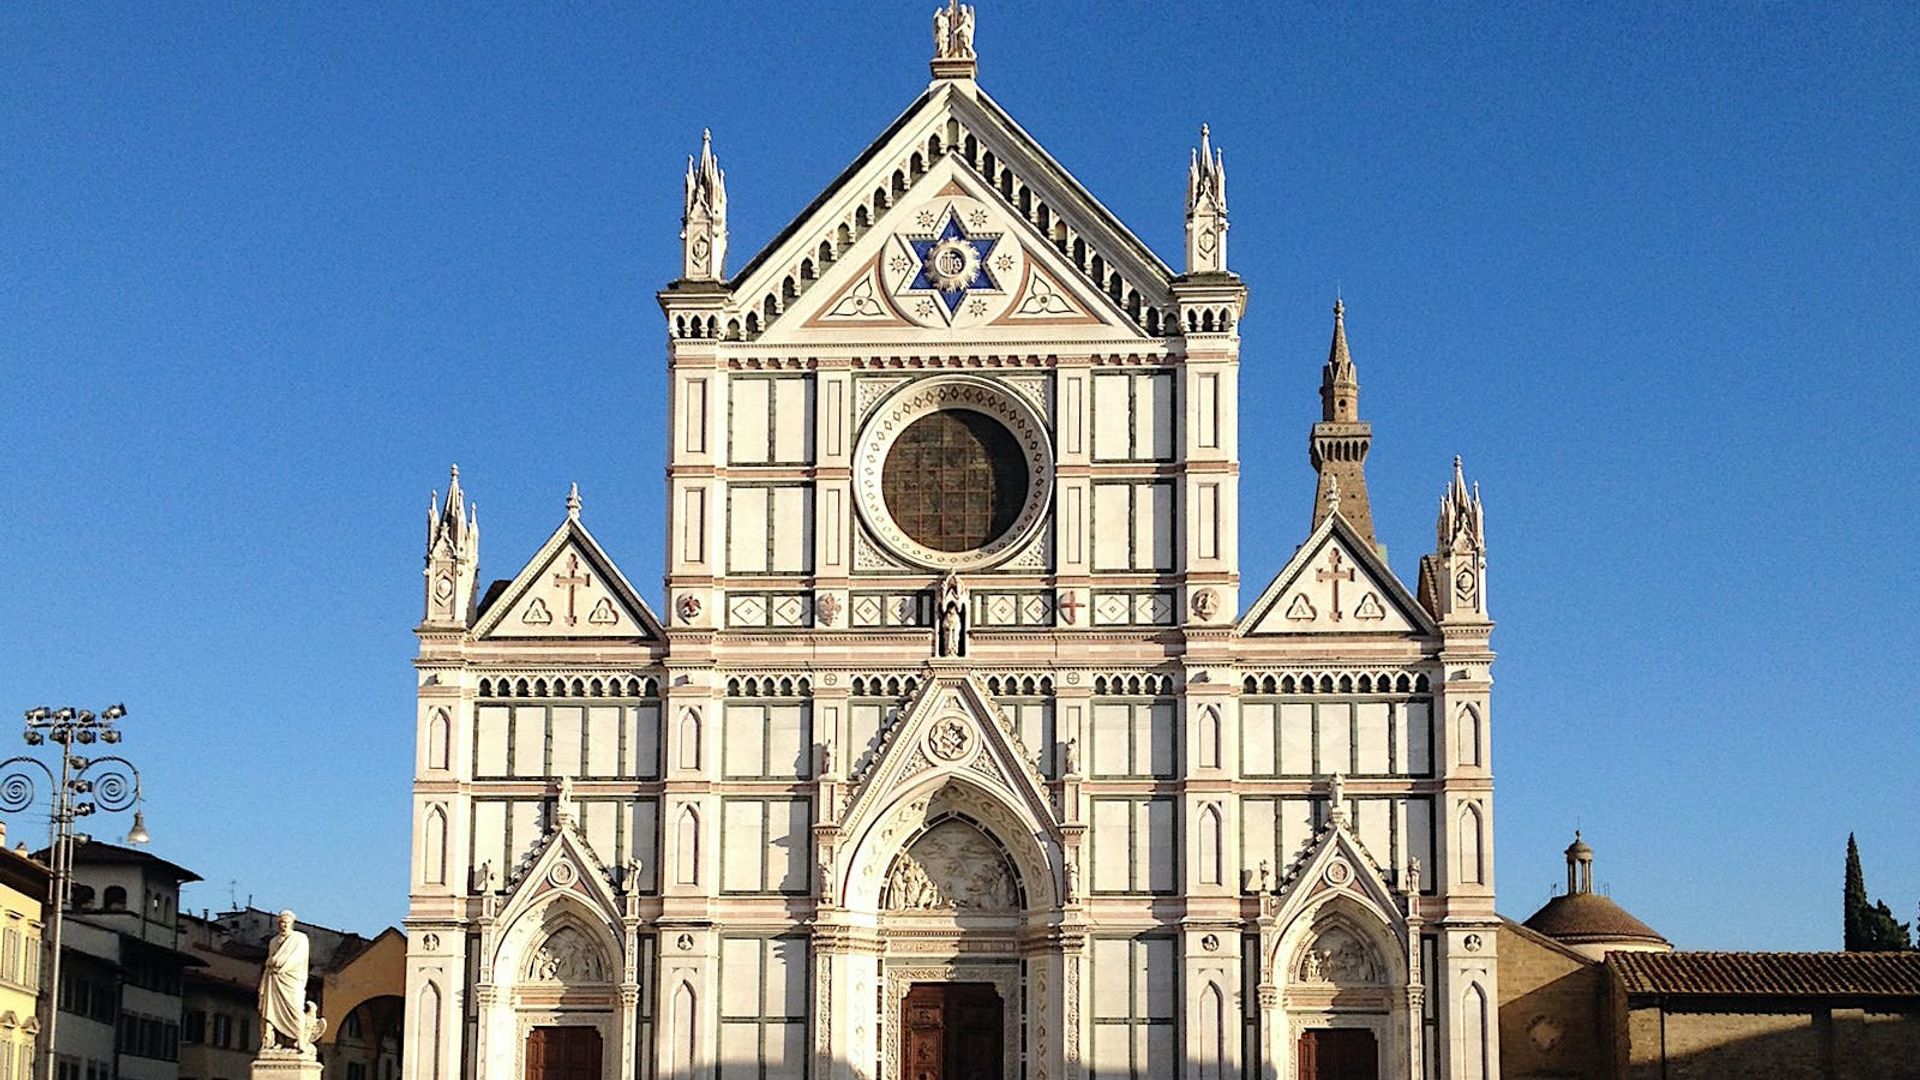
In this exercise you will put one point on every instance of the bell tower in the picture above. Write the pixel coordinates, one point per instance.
(1341, 439)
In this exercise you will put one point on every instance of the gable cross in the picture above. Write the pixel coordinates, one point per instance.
(1336, 575)
(573, 580)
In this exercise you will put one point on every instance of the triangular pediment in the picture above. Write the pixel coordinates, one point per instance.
(950, 727)
(1335, 584)
(1336, 863)
(885, 250)
(563, 862)
(569, 589)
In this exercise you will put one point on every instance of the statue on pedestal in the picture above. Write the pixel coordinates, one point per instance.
(289, 1023)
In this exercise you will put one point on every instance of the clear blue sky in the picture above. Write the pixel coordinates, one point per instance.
(266, 269)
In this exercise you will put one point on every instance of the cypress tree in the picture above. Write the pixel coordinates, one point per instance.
(1869, 927)
(1854, 902)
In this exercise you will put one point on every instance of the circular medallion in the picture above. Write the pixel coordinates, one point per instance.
(562, 874)
(954, 472)
(1338, 872)
(949, 739)
(951, 264)
(1471, 943)
(1210, 942)
(430, 942)
(685, 941)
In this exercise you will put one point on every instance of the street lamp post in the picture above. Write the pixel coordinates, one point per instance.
(83, 786)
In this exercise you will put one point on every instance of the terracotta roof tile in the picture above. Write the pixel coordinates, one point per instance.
(1589, 918)
(1791, 974)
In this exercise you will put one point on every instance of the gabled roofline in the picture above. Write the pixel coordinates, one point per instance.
(618, 584)
(1118, 241)
(1073, 184)
(1335, 522)
(833, 188)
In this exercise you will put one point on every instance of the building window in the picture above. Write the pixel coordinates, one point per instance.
(772, 420)
(1133, 526)
(764, 845)
(769, 529)
(1133, 417)
(114, 899)
(1356, 738)
(763, 1008)
(193, 1027)
(1133, 738)
(955, 480)
(768, 741)
(1133, 995)
(1132, 845)
(222, 1030)
(1033, 719)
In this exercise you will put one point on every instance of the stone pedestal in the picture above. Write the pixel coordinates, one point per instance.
(285, 1065)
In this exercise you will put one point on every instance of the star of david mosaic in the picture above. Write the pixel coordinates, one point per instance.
(952, 262)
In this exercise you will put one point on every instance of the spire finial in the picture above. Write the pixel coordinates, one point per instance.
(1206, 207)
(573, 501)
(703, 221)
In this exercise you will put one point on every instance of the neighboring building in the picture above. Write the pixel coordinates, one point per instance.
(121, 967)
(1587, 990)
(23, 896)
(362, 999)
(1588, 922)
(220, 1010)
(1832, 1015)
(356, 982)
(959, 747)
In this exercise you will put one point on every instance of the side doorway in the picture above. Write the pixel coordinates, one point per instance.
(953, 1032)
(563, 1053)
(1339, 1054)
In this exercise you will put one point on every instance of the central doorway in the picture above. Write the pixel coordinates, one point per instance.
(1338, 1054)
(563, 1053)
(954, 1031)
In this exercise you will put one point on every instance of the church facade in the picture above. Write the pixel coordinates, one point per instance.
(957, 749)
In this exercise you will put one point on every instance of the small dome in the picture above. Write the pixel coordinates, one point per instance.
(1585, 918)
(1579, 849)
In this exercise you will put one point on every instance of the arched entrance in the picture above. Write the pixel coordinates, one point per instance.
(958, 885)
(552, 1009)
(1342, 994)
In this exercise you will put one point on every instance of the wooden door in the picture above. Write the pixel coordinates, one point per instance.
(954, 1031)
(563, 1053)
(1338, 1054)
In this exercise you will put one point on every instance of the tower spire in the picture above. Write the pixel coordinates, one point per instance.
(1206, 207)
(1340, 441)
(703, 224)
(453, 556)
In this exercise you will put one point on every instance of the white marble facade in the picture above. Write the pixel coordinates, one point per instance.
(955, 679)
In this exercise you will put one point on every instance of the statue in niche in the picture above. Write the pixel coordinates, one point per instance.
(953, 867)
(289, 1023)
(953, 618)
(567, 957)
(483, 877)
